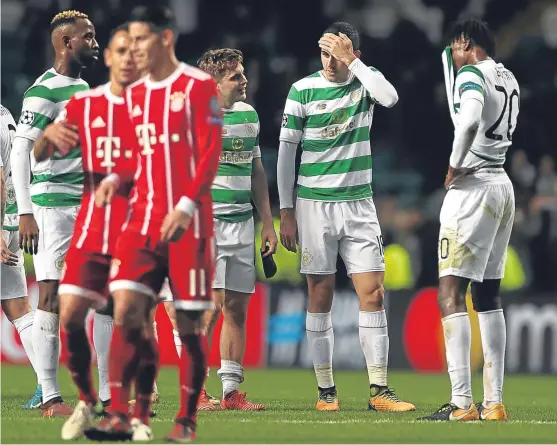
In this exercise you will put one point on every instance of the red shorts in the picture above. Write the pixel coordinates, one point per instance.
(86, 275)
(142, 262)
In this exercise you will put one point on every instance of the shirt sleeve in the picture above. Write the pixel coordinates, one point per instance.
(39, 110)
(293, 119)
(207, 138)
(256, 148)
(470, 84)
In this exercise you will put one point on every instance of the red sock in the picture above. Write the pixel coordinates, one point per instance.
(79, 363)
(193, 365)
(145, 378)
(122, 366)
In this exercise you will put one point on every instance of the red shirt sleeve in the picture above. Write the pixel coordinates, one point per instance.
(207, 138)
(71, 113)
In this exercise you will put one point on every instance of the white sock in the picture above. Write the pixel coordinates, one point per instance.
(321, 341)
(178, 343)
(231, 374)
(494, 338)
(374, 339)
(156, 335)
(458, 338)
(46, 344)
(103, 326)
(24, 327)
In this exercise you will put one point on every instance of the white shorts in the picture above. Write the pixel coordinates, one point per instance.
(56, 226)
(235, 256)
(476, 225)
(14, 284)
(350, 228)
(166, 294)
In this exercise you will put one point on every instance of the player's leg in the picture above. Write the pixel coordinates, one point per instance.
(190, 281)
(361, 249)
(487, 303)
(318, 240)
(103, 326)
(465, 239)
(56, 228)
(239, 284)
(137, 274)
(15, 304)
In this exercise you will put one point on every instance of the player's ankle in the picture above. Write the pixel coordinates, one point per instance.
(375, 390)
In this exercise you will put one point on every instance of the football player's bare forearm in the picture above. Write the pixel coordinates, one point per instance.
(21, 174)
(286, 173)
(260, 192)
(41, 149)
(378, 87)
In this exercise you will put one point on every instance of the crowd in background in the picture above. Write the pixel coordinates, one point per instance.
(411, 142)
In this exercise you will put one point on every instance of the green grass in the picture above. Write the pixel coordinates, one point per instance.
(290, 417)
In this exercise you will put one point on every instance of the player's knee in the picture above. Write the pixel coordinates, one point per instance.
(48, 296)
(236, 309)
(320, 289)
(15, 308)
(372, 298)
(451, 296)
(485, 296)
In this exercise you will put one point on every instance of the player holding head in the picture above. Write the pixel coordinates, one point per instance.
(330, 113)
(97, 119)
(177, 119)
(15, 302)
(240, 178)
(52, 199)
(477, 216)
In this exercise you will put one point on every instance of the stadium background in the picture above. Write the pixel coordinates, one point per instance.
(411, 146)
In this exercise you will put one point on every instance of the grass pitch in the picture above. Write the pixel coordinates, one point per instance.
(289, 396)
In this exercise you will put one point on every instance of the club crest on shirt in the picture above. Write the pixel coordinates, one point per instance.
(321, 106)
(356, 95)
(177, 101)
(237, 144)
(340, 116)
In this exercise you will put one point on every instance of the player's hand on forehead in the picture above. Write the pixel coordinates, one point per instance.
(337, 46)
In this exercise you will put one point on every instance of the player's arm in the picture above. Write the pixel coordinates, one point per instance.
(38, 111)
(6, 256)
(471, 88)
(206, 127)
(260, 193)
(290, 136)
(62, 135)
(379, 88)
(207, 139)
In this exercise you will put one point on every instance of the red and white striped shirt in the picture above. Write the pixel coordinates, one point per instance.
(178, 124)
(108, 145)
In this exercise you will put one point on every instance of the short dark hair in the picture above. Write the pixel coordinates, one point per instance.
(349, 30)
(113, 32)
(477, 32)
(158, 17)
(64, 17)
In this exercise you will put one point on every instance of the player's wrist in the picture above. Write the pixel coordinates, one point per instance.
(114, 178)
(186, 205)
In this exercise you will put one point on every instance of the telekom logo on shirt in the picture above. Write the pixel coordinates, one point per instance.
(109, 148)
(146, 134)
